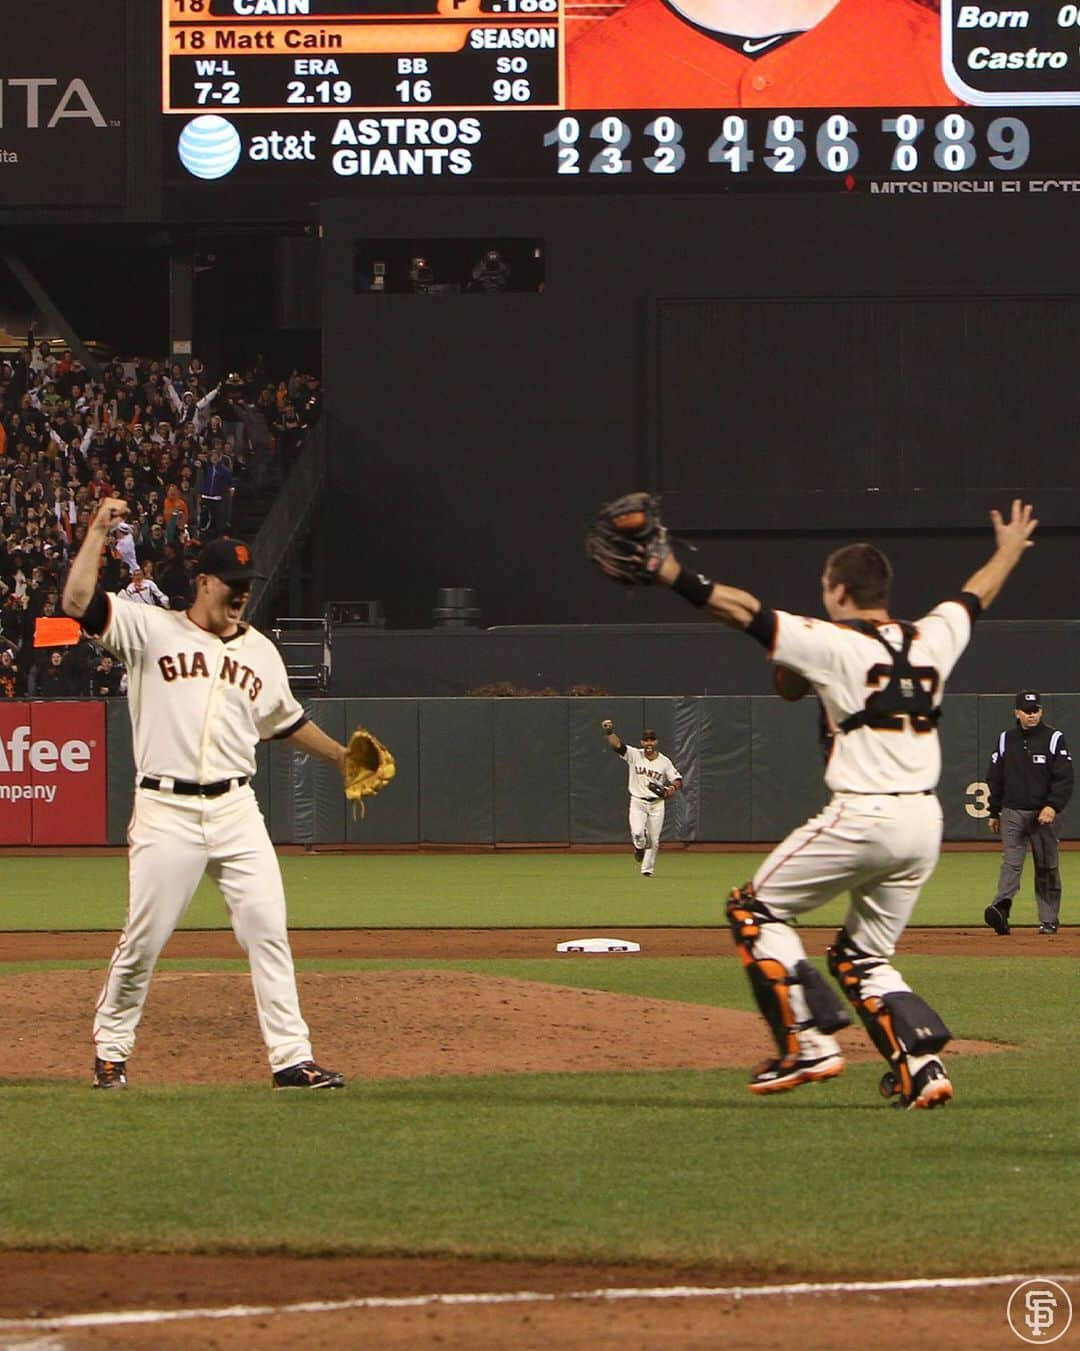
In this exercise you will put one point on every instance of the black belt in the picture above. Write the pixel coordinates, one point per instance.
(193, 789)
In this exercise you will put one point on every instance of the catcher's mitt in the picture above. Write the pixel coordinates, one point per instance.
(628, 541)
(369, 767)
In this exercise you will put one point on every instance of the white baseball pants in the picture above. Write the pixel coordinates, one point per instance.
(646, 827)
(172, 841)
(880, 848)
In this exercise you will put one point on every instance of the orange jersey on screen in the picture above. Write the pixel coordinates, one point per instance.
(864, 53)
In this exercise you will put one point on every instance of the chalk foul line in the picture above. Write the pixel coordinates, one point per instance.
(120, 1318)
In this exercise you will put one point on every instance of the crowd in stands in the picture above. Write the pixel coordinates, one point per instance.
(174, 445)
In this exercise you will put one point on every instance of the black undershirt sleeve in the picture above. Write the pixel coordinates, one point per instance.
(763, 628)
(971, 603)
(291, 731)
(96, 615)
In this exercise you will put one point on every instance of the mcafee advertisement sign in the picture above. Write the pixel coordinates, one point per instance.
(52, 773)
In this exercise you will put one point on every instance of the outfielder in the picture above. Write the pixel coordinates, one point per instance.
(880, 682)
(652, 780)
(204, 689)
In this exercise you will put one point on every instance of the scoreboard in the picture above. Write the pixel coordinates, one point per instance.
(299, 99)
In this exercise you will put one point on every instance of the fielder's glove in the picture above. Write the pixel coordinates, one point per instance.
(657, 789)
(369, 767)
(628, 541)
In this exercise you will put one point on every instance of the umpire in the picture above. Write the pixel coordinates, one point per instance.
(1031, 779)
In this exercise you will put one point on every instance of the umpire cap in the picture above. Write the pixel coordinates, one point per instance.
(229, 559)
(1028, 701)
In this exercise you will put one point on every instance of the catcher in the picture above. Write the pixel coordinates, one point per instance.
(653, 779)
(880, 682)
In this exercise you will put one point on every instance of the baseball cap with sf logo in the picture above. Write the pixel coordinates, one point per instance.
(1028, 701)
(229, 559)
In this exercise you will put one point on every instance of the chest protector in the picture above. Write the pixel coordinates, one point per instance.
(905, 693)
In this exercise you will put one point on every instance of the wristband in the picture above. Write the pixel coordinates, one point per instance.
(692, 586)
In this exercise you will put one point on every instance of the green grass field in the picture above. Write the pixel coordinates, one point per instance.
(674, 1166)
(343, 891)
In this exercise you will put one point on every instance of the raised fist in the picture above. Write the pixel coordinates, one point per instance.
(111, 510)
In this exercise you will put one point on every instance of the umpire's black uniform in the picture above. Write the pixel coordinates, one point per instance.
(1030, 769)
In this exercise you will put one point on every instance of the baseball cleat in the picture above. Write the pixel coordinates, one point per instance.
(639, 854)
(308, 1075)
(109, 1074)
(777, 1076)
(997, 919)
(931, 1087)
(1048, 928)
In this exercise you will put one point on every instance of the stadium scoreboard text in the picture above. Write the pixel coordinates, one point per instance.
(319, 94)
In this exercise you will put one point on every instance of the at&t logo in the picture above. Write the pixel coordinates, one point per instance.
(209, 147)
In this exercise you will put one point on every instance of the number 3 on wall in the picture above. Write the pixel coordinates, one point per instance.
(978, 799)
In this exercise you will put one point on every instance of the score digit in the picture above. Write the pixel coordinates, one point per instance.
(836, 150)
(787, 146)
(670, 155)
(566, 136)
(616, 135)
(907, 129)
(955, 150)
(731, 147)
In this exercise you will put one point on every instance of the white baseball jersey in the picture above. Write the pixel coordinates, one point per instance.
(125, 544)
(846, 667)
(145, 592)
(199, 705)
(642, 771)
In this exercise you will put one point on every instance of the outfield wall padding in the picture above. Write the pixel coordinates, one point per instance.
(394, 818)
(539, 771)
(120, 774)
(531, 770)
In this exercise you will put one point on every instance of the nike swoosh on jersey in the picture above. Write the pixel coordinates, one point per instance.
(751, 47)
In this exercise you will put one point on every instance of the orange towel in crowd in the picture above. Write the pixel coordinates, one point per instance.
(863, 54)
(56, 632)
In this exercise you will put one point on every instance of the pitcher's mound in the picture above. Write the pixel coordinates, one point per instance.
(202, 1028)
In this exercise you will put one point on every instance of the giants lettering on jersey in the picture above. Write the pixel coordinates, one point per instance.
(650, 773)
(187, 665)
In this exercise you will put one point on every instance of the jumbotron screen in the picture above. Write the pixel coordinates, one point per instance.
(315, 97)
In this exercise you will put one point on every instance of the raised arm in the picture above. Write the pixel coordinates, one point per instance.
(724, 603)
(83, 574)
(1013, 537)
(613, 738)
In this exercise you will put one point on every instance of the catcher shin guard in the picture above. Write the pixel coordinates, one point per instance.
(899, 1022)
(768, 977)
(825, 1008)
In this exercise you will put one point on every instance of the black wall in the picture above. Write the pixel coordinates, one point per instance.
(654, 659)
(473, 435)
